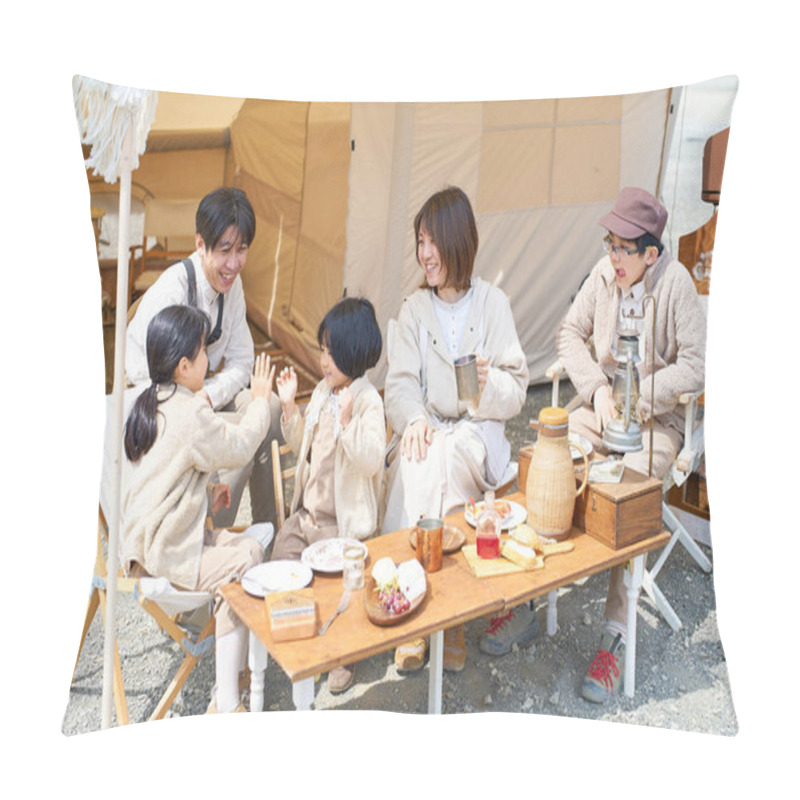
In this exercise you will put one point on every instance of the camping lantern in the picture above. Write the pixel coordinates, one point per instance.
(623, 433)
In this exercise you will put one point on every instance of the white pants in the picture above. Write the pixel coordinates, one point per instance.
(451, 473)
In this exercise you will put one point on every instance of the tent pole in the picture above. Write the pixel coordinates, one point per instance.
(116, 428)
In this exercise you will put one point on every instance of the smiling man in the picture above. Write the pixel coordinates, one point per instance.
(211, 280)
(636, 265)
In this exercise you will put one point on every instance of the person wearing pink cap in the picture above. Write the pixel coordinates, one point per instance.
(635, 264)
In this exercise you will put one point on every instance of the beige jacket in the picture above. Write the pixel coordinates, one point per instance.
(164, 493)
(414, 389)
(358, 463)
(680, 337)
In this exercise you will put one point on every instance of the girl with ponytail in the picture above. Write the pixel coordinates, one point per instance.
(174, 443)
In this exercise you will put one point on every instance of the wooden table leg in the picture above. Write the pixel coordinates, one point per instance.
(303, 694)
(435, 678)
(633, 575)
(257, 661)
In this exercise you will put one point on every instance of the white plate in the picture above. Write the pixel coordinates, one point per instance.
(583, 442)
(327, 555)
(516, 516)
(276, 576)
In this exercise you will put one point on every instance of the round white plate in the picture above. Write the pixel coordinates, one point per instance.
(276, 576)
(583, 442)
(516, 516)
(327, 555)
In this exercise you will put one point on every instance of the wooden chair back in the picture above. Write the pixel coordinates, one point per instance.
(279, 475)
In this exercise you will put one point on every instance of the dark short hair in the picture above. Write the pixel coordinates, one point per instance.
(648, 240)
(350, 332)
(220, 209)
(447, 217)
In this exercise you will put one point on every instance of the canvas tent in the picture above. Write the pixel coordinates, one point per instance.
(335, 187)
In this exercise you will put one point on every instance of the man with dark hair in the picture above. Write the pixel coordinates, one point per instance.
(636, 265)
(211, 280)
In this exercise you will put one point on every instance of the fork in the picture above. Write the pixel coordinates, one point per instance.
(341, 607)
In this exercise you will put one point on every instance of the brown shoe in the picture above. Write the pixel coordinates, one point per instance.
(212, 708)
(340, 679)
(410, 657)
(455, 649)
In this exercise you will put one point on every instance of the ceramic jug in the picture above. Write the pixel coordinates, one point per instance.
(550, 489)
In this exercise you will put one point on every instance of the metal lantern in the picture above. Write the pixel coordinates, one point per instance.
(623, 432)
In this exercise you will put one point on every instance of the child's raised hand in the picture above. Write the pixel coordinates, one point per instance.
(287, 385)
(345, 406)
(262, 377)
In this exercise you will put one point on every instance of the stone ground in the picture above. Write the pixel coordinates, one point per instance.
(681, 678)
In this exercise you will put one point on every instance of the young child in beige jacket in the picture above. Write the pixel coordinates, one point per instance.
(340, 441)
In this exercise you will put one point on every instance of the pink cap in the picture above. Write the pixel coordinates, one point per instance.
(635, 213)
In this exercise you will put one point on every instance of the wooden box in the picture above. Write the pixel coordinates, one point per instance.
(619, 514)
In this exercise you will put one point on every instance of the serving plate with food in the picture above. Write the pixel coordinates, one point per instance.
(327, 555)
(511, 513)
(393, 592)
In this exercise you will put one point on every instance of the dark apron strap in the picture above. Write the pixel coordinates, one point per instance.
(192, 280)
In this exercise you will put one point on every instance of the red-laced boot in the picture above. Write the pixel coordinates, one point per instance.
(606, 672)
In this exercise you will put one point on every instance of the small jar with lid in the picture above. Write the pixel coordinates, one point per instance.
(487, 529)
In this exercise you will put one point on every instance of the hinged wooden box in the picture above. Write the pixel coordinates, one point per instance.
(619, 514)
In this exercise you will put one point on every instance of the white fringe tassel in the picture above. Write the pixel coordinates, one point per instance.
(105, 113)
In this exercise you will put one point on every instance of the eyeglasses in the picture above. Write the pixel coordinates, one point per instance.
(610, 248)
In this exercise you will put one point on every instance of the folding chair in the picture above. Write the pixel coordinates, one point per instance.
(279, 475)
(684, 464)
(168, 607)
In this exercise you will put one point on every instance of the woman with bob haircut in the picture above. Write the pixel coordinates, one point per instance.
(442, 453)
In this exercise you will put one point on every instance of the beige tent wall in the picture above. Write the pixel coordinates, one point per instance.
(292, 159)
(539, 174)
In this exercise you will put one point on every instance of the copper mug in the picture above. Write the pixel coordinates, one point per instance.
(429, 543)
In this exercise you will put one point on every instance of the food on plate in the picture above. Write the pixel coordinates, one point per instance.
(396, 587)
(502, 507)
(519, 554)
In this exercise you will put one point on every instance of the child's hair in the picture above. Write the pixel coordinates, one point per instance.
(350, 332)
(174, 333)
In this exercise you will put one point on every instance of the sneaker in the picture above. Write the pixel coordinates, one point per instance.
(340, 679)
(410, 657)
(519, 626)
(607, 671)
(455, 649)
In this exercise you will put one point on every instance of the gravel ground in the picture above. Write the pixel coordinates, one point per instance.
(681, 678)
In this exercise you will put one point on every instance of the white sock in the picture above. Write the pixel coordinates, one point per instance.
(262, 532)
(229, 650)
(613, 627)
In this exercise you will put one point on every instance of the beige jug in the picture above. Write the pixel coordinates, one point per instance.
(550, 487)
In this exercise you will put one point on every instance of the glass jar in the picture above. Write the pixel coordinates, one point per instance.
(353, 568)
(487, 529)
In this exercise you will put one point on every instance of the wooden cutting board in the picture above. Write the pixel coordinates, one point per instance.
(487, 567)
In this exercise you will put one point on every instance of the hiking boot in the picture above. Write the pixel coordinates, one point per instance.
(410, 657)
(340, 679)
(519, 626)
(607, 671)
(455, 649)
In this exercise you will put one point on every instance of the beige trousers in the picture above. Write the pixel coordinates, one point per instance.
(667, 443)
(225, 556)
